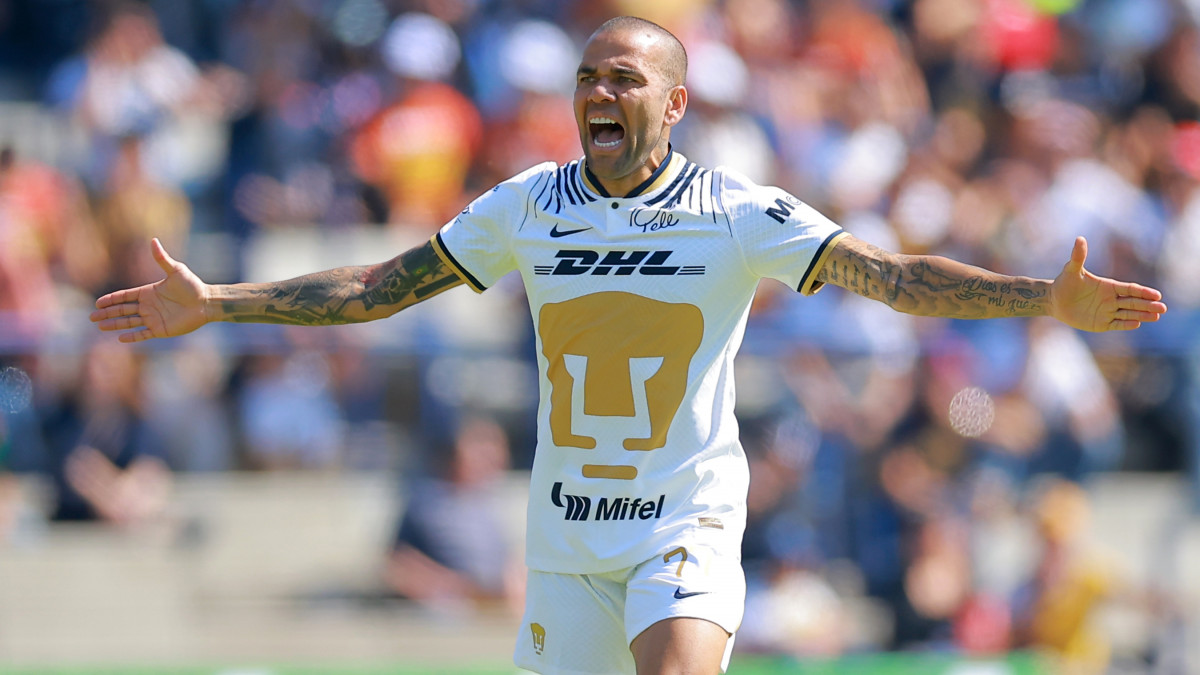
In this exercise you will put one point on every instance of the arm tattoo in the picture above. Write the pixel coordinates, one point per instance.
(414, 276)
(342, 295)
(931, 285)
(865, 269)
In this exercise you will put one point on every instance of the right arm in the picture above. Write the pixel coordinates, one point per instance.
(181, 302)
(337, 296)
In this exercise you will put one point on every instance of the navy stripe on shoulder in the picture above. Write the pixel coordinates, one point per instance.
(682, 177)
(577, 184)
(569, 184)
(546, 180)
(558, 188)
(678, 195)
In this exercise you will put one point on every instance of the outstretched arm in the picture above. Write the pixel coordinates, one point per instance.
(936, 286)
(181, 302)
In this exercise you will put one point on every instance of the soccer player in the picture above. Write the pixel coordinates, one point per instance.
(640, 267)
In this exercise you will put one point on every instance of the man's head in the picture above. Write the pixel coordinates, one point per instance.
(628, 94)
(674, 61)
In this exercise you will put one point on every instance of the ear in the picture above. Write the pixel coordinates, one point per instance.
(677, 99)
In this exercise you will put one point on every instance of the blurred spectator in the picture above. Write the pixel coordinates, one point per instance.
(937, 583)
(793, 607)
(717, 131)
(419, 150)
(1057, 610)
(129, 82)
(798, 613)
(188, 407)
(135, 208)
(999, 544)
(288, 414)
(107, 463)
(1076, 403)
(128, 78)
(47, 235)
(451, 549)
(523, 73)
(1182, 242)
(26, 288)
(904, 531)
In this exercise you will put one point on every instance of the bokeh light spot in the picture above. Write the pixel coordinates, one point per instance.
(972, 412)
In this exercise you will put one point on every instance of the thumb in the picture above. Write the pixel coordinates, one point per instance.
(1078, 256)
(165, 261)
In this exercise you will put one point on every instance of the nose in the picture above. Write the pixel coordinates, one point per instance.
(600, 93)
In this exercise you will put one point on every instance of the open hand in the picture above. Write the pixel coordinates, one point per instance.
(1085, 301)
(166, 308)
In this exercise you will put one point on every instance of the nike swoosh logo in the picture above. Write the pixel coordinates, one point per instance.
(680, 596)
(556, 233)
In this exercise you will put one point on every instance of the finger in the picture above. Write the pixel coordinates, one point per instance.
(117, 297)
(1139, 291)
(113, 311)
(139, 335)
(1123, 324)
(121, 323)
(1141, 305)
(1135, 315)
(1078, 255)
(1146, 306)
(164, 260)
(1135, 302)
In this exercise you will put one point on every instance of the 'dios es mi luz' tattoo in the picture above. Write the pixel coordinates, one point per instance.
(931, 285)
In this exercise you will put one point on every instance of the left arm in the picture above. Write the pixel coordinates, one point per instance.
(936, 286)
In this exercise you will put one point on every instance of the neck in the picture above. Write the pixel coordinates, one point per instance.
(625, 185)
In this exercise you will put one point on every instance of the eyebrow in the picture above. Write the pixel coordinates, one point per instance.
(619, 70)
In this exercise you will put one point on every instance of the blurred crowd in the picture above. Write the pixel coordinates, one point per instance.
(887, 452)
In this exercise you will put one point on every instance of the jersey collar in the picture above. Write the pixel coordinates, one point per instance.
(671, 165)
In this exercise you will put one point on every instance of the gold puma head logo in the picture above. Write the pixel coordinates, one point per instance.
(609, 329)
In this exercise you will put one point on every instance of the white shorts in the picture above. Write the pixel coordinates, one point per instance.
(584, 623)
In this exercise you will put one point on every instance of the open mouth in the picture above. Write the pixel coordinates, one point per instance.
(606, 132)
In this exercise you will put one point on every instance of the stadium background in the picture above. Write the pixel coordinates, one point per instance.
(927, 496)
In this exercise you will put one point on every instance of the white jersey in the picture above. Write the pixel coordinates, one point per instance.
(639, 304)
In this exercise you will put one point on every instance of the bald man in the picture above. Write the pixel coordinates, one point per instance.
(639, 268)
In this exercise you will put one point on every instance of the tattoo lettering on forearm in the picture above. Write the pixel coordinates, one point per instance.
(978, 288)
(866, 270)
(931, 285)
(935, 286)
(1022, 307)
(347, 294)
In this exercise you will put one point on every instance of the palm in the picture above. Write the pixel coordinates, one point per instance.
(167, 308)
(173, 306)
(1085, 301)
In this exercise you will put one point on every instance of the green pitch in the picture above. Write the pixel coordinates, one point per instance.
(875, 664)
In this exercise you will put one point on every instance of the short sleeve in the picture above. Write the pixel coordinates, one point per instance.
(477, 243)
(780, 236)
